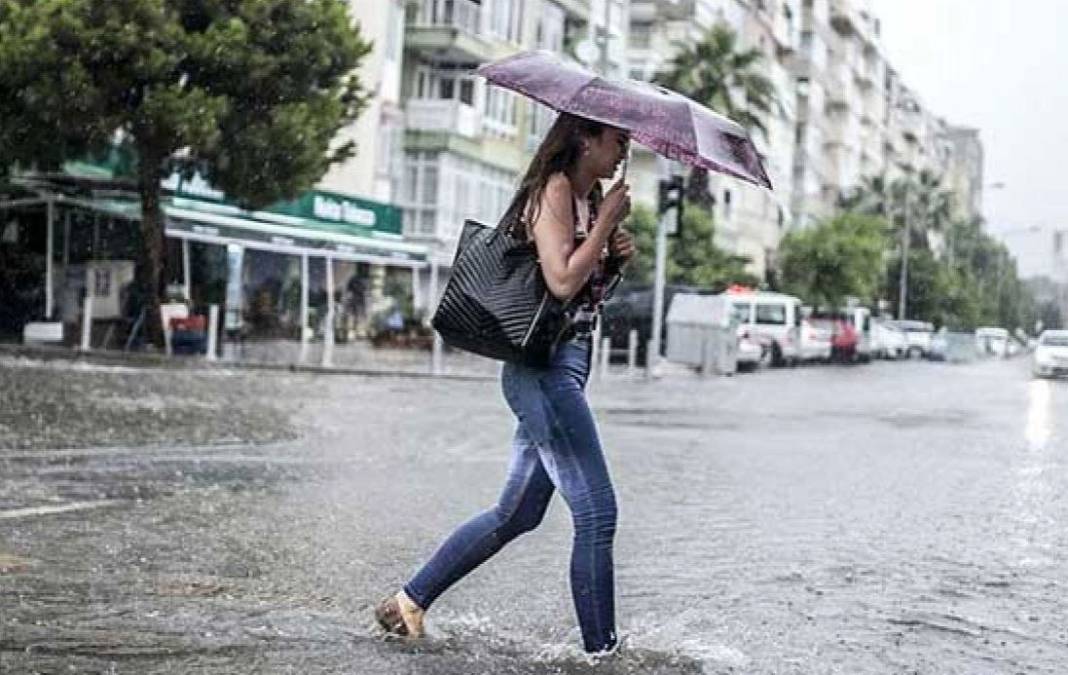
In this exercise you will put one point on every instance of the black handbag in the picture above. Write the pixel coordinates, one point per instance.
(497, 303)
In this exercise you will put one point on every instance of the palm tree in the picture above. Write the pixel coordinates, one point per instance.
(718, 74)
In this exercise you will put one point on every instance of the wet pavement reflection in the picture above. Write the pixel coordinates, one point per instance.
(889, 518)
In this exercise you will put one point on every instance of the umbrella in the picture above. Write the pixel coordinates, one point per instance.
(663, 120)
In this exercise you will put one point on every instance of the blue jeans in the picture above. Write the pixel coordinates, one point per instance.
(555, 447)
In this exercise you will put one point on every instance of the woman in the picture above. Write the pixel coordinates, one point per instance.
(556, 447)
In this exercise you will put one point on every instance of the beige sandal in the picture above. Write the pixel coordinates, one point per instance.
(390, 617)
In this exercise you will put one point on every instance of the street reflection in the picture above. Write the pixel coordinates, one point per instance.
(1039, 420)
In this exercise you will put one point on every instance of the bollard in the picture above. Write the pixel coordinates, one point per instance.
(328, 337)
(595, 346)
(436, 354)
(213, 332)
(651, 359)
(87, 321)
(632, 352)
(606, 352)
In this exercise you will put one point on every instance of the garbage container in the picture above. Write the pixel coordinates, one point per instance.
(702, 332)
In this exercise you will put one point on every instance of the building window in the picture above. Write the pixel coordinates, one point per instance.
(421, 191)
(500, 111)
(727, 204)
(550, 30)
(641, 35)
(445, 84)
(504, 18)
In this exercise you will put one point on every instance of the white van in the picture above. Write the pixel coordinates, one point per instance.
(771, 318)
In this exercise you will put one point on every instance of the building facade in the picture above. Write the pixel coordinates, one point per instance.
(465, 142)
(749, 220)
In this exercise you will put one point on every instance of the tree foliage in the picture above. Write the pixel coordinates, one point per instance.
(250, 93)
(958, 275)
(837, 259)
(693, 258)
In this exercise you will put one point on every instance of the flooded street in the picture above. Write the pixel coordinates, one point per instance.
(892, 518)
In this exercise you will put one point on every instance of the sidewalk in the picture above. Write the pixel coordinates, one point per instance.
(354, 359)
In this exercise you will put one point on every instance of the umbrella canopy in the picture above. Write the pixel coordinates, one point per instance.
(665, 121)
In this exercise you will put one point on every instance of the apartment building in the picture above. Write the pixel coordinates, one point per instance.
(964, 175)
(749, 220)
(465, 142)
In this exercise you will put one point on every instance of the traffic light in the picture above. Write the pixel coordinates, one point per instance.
(671, 194)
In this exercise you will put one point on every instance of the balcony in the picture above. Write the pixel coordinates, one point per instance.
(449, 116)
(578, 10)
(838, 90)
(844, 16)
(450, 30)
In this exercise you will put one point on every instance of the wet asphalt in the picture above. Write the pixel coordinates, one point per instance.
(890, 518)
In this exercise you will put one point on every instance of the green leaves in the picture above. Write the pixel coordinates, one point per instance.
(835, 260)
(251, 91)
(716, 73)
(693, 258)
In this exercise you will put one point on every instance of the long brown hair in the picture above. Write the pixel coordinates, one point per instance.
(559, 151)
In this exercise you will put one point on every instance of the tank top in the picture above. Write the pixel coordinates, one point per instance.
(589, 299)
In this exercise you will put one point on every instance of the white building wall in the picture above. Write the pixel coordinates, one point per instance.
(374, 171)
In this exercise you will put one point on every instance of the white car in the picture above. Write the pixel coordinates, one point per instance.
(918, 336)
(992, 341)
(773, 319)
(815, 342)
(888, 342)
(1051, 354)
(750, 352)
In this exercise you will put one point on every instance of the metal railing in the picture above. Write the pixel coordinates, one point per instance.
(463, 14)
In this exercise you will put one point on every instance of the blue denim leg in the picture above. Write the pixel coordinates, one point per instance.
(551, 405)
(520, 508)
(556, 445)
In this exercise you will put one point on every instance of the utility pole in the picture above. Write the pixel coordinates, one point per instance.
(603, 65)
(906, 243)
(669, 211)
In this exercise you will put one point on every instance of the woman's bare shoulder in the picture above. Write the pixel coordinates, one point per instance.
(558, 195)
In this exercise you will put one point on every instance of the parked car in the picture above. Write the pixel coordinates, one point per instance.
(992, 341)
(918, 336)
(1051, 354)
(939, 345)
(773, 319)
(750, 353)
(843, 336)
(860, 319)
(815, 341)
(631, 308)
(888, 341)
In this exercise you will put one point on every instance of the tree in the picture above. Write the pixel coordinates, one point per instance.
(837, 259)
(717, 73)
(249, 93)
(693, 258)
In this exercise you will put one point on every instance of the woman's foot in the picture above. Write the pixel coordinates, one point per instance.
(399, 615)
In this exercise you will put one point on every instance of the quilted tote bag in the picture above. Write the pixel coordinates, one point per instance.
(496, 302)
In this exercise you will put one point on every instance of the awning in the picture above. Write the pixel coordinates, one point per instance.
(186, 220)
(318, 223)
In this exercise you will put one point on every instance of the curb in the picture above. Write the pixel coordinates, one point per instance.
(48, 353)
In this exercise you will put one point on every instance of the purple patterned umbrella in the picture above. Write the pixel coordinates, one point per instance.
(665, 121)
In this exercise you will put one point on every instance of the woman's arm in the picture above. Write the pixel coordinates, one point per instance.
(565, 267)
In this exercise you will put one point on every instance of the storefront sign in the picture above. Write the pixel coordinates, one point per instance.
(321, 210)
(309, 243)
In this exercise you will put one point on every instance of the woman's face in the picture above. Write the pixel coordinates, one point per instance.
(607, 151)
